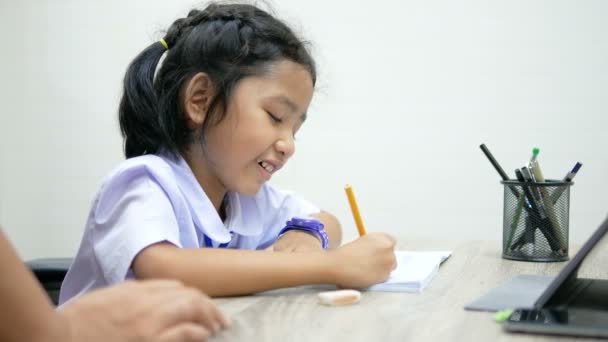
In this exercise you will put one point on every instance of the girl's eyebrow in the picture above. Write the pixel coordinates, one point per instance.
(287, 102)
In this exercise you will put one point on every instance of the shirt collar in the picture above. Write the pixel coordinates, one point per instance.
(244, 215)
(206, 219)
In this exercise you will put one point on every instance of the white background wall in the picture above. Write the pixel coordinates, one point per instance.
(408, 89)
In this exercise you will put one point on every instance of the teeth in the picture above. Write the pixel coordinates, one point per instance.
(267, 166)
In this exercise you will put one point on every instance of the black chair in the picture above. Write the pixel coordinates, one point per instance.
(50, 273)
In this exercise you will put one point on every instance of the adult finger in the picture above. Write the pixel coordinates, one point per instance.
(185, 332)
(188, 305)
(214, 315)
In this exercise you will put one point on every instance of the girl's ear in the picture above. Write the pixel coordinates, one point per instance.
(197, 96)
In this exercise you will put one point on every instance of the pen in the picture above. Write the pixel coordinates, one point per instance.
(520, 177)
(536, 198)
(569, 177)
(548, 221)
(524, 201)
(546, 202)
(497, 166)
(537, 222)
(355, 209)
(515, 223)
(532, 213)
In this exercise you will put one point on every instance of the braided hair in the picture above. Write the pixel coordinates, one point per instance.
(227, 42)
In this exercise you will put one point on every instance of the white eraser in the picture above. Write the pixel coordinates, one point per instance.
(339, 297)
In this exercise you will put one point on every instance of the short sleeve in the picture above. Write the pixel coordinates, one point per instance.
(131, 212)
(278, 207)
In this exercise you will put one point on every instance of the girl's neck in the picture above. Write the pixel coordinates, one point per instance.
(210, 184)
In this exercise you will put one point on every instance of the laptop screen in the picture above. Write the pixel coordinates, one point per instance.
(570, 271)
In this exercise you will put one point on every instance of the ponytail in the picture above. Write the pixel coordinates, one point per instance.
(138, 109)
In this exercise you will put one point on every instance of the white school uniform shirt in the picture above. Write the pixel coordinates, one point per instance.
(155, 198)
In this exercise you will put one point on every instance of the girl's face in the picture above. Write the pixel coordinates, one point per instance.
(256, 137)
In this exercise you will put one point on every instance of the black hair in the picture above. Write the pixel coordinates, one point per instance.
(227, 42)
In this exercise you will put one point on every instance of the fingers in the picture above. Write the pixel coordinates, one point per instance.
(391, 239)
(388, 238)
(185, 332)
(212, 316)
(181, 303)
(190, 305)
(225, 322)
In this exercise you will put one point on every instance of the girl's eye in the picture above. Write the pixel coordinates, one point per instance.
(274, 118)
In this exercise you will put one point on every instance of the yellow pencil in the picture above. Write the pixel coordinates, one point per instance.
(355, 209)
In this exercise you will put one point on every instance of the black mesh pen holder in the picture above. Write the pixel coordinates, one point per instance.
(535, 220)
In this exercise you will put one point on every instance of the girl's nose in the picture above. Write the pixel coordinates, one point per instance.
(286, 146)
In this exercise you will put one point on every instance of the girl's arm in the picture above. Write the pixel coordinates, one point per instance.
(301, 241)
(332, 228)
(229, 272)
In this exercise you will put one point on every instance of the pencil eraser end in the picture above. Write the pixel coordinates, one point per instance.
(339, 297)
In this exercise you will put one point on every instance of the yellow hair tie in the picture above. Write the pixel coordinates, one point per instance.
(162, 41)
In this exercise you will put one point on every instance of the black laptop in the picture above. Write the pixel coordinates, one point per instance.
(570, 305)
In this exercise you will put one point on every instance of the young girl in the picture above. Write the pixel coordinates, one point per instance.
(202, 137)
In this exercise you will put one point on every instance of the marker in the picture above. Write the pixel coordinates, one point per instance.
(355, 209)
(533, 158)
(569, 177)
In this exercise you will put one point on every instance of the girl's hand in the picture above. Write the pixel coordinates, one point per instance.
(297, 241)
(364, 262)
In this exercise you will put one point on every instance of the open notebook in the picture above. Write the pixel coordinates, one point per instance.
(414, 271)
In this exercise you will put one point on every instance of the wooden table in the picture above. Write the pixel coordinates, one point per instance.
(436, 314)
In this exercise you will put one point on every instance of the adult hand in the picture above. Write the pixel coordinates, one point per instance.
(158, 310)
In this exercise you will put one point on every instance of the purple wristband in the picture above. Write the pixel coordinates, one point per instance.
(312, 226)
